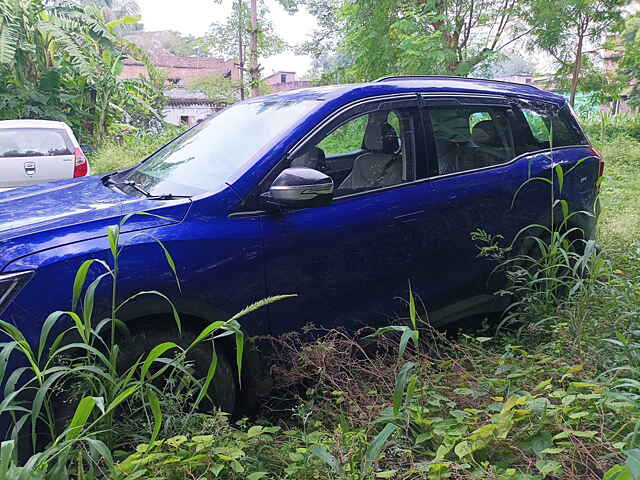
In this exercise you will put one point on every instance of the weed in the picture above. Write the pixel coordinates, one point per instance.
(84, 358)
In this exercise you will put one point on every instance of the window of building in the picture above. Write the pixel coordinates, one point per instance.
(468, 138)
(283, 78)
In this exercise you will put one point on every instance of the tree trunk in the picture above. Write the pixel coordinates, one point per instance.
(241, 25)
(254, 71)
(577, 66)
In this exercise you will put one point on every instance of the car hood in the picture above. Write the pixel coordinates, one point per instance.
(73, 210)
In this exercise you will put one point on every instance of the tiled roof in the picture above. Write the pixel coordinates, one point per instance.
(165, 60)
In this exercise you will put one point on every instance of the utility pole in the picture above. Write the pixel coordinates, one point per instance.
(254, 70)
(240, 8)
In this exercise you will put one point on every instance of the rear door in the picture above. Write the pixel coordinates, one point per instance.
(473, 179)
(34, 155)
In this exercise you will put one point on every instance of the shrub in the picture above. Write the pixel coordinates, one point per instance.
(128, 150)
(604, 126)
(82, 364)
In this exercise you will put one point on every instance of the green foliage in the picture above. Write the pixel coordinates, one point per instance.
(607, 129)
(225, 453)
(564, 28)
(77, 357)
(117, 154)
(64, 62)
(559, 399)
(427, 37)
(629, 67)
(346, 138)
(223, 36)
(217, 89)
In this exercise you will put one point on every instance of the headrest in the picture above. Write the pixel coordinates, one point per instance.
(312, 157)
(450, 125)
(380, 137)
(485, 133)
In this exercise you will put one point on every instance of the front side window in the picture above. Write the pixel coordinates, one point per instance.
(468, 137)
(34, 142)
(212, 153)
(367, 152)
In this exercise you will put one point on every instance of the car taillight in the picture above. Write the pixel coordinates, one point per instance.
(597, 154)
(81, 166)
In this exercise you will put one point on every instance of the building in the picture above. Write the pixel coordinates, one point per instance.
(524, 78)
(282, 81)
(184, 106)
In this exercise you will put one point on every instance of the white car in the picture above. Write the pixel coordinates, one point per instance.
(38, 151)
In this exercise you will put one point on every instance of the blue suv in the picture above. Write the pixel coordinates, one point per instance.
(338, 194)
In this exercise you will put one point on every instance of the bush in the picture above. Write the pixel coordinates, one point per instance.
(603, 126)
(128, 150)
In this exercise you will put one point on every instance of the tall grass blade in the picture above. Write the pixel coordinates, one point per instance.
(376, 446)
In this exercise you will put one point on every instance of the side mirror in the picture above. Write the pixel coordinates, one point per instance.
(299, 187)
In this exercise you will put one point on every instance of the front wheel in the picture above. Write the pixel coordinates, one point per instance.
(222, 391)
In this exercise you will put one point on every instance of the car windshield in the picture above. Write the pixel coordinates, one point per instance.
(206, 157)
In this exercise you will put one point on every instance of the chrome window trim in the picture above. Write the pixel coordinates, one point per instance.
(419, 181)
(394, 96)
(463, 172)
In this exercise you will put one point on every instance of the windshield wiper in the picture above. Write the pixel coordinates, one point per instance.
(136, 186)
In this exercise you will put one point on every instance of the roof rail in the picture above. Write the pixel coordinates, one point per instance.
(420, 77)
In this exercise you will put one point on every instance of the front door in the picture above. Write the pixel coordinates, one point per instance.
(349, 261)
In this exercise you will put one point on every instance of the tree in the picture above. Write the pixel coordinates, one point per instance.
(565, 28)
(324, 41)
(64, 63)
(223, 36)
(505, 65)
(114, 10)
(628, 50)
(187, 46)
(217, 88)
(230, 37)
(383, 37)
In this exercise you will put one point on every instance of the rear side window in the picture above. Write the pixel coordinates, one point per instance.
(470, 137)
(545, 126)
(34, 142)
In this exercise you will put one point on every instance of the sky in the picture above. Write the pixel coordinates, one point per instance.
(193, 17)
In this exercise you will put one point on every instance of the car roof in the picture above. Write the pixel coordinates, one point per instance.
(427, 84)
(32, 124)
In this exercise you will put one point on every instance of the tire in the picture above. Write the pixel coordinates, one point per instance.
(223, 390)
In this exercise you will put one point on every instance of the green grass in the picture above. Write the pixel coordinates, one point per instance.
(620, 222)
(131, 149)
(541, 402)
